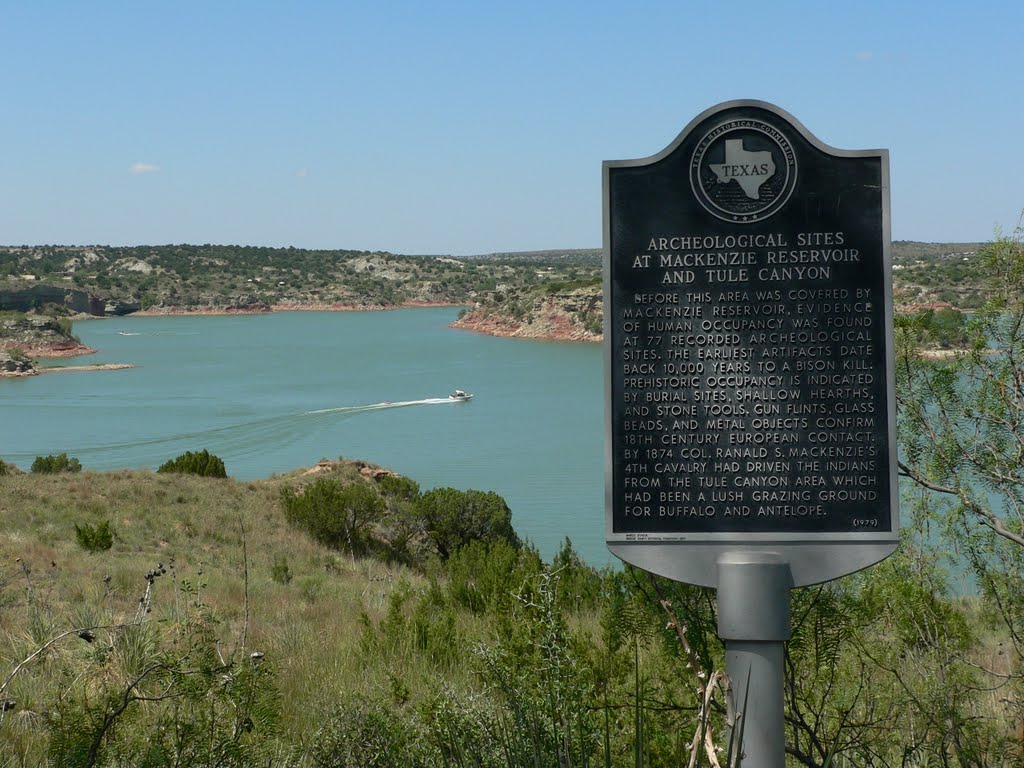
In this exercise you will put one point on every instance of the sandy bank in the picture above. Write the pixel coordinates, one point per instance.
(58, 368)
(96, 367)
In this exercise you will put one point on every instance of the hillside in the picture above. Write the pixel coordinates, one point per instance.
(554, 294)
(930, 273)
(558, 311)
(155, 620)
(114, 280)
(229, 569)
(212, 619)
(924, 274)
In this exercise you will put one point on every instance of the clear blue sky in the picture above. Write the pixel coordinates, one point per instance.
(473, 127)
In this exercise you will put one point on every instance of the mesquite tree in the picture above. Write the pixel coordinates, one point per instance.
(961, 440)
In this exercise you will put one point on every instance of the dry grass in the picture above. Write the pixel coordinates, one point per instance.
(308, 628)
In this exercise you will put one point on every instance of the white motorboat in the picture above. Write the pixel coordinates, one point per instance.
(458, 394)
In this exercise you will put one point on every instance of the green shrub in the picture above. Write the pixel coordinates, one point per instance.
(311, 587)
(4, 467)
(279, 571)
(334, 514)
(454, 518)
(202, 463)
(579, 584)
(592, 322)
(64, 326)
(482, 574)
(399, 488)
(402, 522)
(197, 710)
(51, 465)
(94, 539)
(466, 729)
(370, 734)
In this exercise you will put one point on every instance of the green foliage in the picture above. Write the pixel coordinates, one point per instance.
(454, 518)
(202, 463)
(943, 328)
(370, 734)
(279, 571)
(573, 285)
(960, 428)
(398, 487)
(97, 538)
(64, 325)
(201, 275)
(402, 522)
(465, 729)
(542, 676)
(335, 514)
(484, 575)
(945, 272)
(51, 465)
(142, 692)
(592, 322)
(580, 587)
(186, 708)
(5, 468)
(422, 625)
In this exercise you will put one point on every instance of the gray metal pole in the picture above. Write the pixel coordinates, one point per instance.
(753, 620)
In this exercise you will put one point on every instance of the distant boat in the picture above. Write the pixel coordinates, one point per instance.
(458, 394)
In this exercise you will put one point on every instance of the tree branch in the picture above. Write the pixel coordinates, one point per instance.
(988, 517)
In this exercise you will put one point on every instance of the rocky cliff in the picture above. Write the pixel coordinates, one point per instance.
(10, 366)
(25, 298)
(575, 315)
(39, 336)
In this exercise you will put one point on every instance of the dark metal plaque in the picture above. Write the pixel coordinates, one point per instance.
(748, 337)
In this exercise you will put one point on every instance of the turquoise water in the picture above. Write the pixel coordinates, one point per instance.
(272, 393)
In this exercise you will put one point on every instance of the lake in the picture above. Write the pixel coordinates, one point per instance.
(272, 393)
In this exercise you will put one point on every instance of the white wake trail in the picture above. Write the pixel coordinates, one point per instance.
(382, 406)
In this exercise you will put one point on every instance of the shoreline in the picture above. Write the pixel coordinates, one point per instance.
(501, 330)
(269, 309)
(34, 371)
(93, 367)
(57, 349)
(488, 326)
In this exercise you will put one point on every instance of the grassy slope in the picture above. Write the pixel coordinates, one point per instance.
(307, 628)
(310, 629)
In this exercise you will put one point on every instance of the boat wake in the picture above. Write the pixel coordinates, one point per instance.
(382, 406)
(239, 439)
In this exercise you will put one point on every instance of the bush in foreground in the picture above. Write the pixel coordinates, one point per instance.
(52, 465)
(94, 538)
(335, 514)
(202, 463)
(454, 518)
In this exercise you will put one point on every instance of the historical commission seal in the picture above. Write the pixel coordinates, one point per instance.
(743, 171)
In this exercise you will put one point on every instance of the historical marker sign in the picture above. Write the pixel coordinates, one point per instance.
(748, 350)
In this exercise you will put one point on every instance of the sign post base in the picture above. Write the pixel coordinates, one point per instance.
(753, 621)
